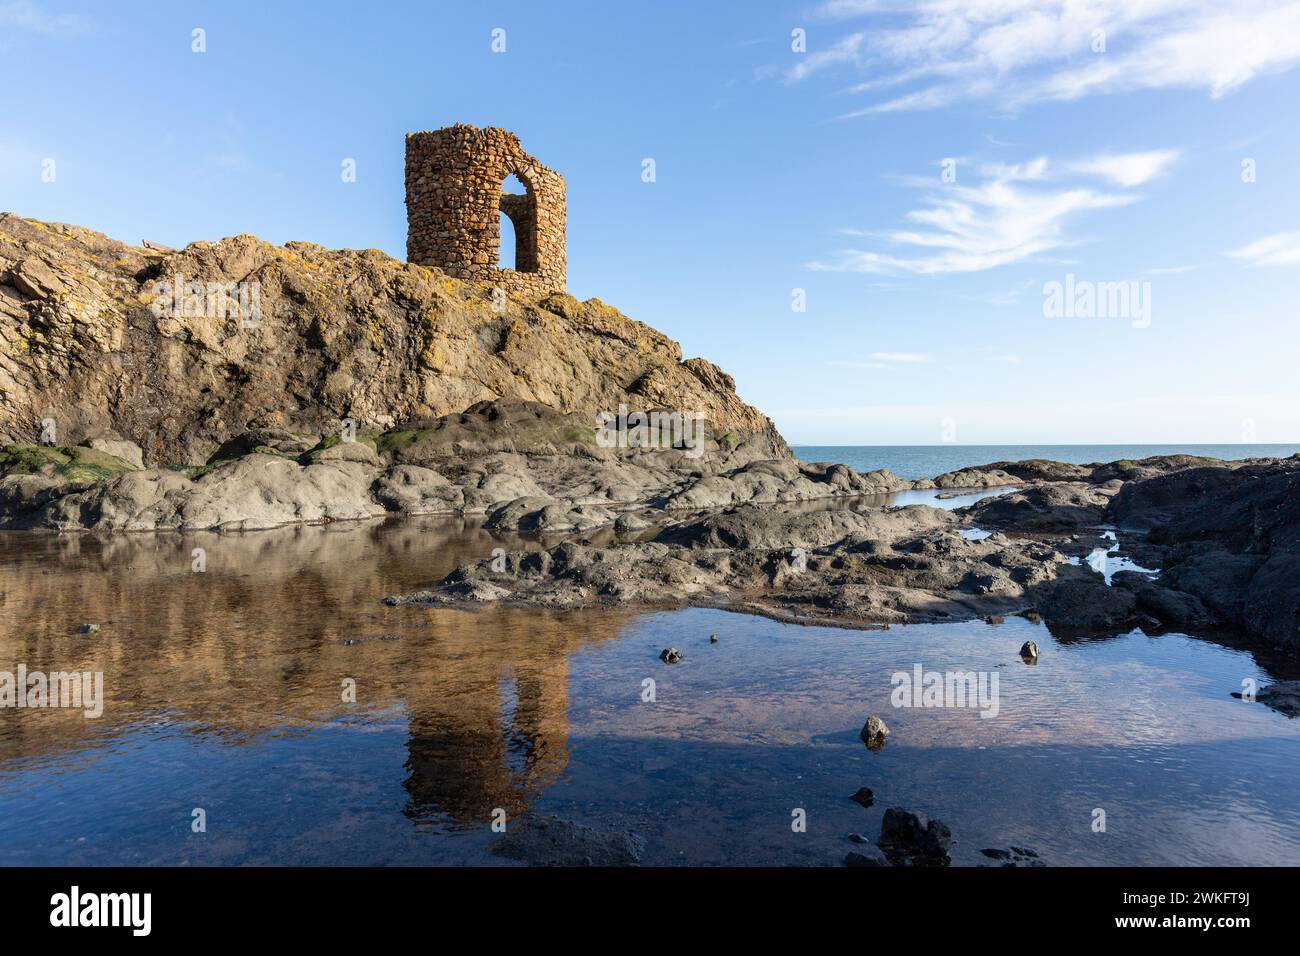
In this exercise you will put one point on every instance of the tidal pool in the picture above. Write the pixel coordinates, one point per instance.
(224, 693)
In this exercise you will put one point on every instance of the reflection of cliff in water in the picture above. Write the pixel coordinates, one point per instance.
(260, 643)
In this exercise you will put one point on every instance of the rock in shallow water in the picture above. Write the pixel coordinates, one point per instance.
(864, 796)
(874, 732)
(867, 856)
(910, 838)
(1077, 604)
(549, 841)
(1171, 608)
(628, 523)
(1013, 856)
(670, 655)
(1284, 697)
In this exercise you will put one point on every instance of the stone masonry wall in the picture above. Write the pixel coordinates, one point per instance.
(454, 201)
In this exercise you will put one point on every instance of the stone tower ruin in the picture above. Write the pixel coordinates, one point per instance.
(454, 202)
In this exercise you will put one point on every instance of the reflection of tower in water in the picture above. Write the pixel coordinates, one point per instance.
(490, 735)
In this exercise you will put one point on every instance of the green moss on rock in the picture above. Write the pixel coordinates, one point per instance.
(391, 441)
(74, 464)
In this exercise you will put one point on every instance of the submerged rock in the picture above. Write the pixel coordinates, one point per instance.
(1013, 856)
(549, 841)
(864, 796)
(867, 856)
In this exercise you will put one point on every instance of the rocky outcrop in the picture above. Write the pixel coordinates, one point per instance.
(238, 385)
(1099, 473)
(521, 465)
(850, 564)
(1227, 537)
(988, 476)
(1059, 506)
(1080, 601)
(101, 337)
(1220, 542)
(253, 385)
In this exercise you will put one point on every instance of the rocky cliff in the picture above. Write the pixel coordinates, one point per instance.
(181, 351)
(240, 385)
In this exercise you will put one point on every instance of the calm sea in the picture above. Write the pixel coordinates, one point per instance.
(926, 461)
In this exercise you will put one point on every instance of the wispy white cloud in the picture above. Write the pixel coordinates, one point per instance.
(1279, 249)
(26, 15)
(1122, 169)
(898, 357)
(932, 53)
(1017, 212)
(1127, 169)
(1003, 297)
(844, 50)
(882, 360)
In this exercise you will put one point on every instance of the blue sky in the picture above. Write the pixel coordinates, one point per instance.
(1104, 141)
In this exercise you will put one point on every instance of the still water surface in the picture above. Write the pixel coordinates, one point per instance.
(224, 693)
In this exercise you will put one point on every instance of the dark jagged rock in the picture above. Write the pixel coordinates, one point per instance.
(1082, 602)
(1168, 606)
(1046, 507)
(910, 838)
(1284, 697)
(1041, 469)
(841, 565)
(1231, 539)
